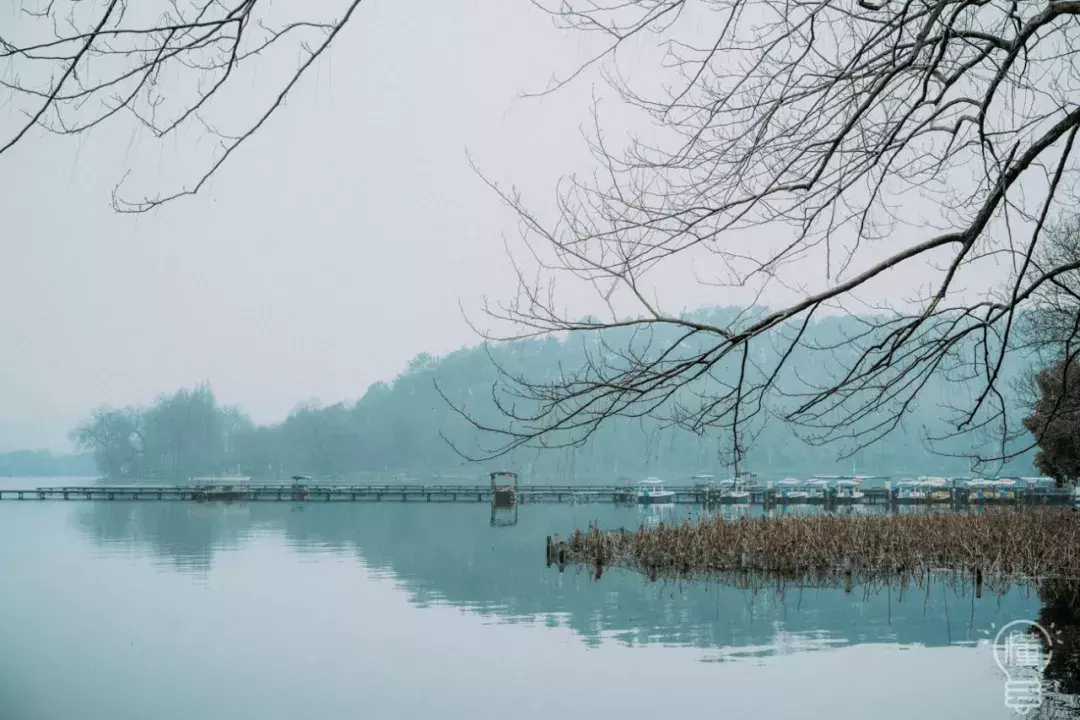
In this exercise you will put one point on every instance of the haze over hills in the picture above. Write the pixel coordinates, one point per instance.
(44, 463)
(398, 427)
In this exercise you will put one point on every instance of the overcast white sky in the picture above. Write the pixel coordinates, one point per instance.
(328, 252)
(333, 247)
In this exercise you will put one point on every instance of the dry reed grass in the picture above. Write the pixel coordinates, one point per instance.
(1002, 546)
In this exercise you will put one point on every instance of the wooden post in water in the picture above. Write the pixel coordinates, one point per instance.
(978, 582)
(547, 551)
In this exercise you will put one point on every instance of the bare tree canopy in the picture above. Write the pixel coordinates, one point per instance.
(1051, 326)
(69, 66)
(828, 149)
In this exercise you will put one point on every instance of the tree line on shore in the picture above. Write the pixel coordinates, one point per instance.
(423, 420)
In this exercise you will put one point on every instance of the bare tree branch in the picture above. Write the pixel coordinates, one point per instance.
(889, 144)
(72, 65)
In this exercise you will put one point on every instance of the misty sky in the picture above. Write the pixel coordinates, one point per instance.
(329, 251)
(333, 247)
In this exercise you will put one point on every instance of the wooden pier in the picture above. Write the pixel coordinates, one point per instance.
(524, 494)
(338, 493)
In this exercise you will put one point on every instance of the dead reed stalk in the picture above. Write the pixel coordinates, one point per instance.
(1002, 546)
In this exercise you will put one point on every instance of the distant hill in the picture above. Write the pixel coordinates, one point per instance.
(395, 427)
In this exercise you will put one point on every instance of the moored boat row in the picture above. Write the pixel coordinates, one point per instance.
(736, 489)
(842, 489)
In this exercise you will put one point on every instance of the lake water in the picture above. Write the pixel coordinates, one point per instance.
(163, 610)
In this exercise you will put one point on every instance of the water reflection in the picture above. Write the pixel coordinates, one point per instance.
(653, 515)
(456, 554)
(282, 597)
(444, 556)
(187, 535)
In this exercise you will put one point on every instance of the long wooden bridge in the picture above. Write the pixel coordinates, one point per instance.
(573, 494)
(340, 493)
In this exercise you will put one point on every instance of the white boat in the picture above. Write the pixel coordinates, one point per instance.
(911, 490)
(1043, 481)
(789, 489)
(935, 488)
(849, 490)
(703, 483)
(746, 479)
(737, 494)
(855, 478)
(732, 490)
(984, 489)
(652, 492)
(923, 489)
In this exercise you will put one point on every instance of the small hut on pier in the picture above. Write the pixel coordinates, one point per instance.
(300, 487)
(504, 489)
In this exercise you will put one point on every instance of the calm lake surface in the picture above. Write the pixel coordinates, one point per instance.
(169, 610)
